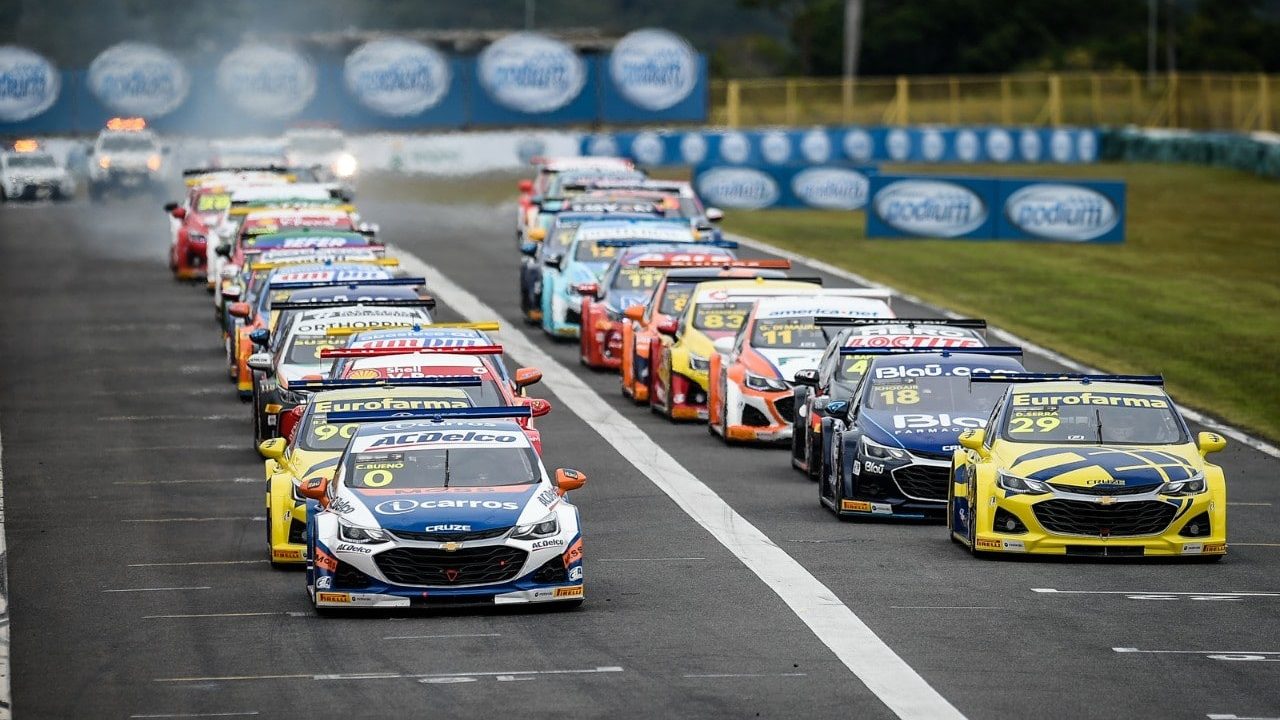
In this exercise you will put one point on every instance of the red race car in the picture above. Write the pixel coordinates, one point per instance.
(192, 221)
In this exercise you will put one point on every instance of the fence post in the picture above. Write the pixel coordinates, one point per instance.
(1095, 93)
(1055, 100)
(791, 101)
(903, 100)
(731, 103)
(1264, 104)
(954, 83)
(846, 100)
(1006, 100)
(1173, 99)
(1135, 98)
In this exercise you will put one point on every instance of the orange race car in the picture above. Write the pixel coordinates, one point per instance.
(641, 340)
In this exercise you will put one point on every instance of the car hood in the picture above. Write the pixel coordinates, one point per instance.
(618, 301)
(479, 508)
(1092, 466)
(788, 361)
(927, 434)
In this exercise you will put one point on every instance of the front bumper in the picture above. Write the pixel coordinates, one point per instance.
(564, 317)
(759, 416)
(39, 191)
(688, 398)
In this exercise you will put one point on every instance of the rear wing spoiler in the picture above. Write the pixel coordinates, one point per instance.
(630, 242)
(944, 352)
(1014, 377)
(327, 304)
(274, 264)
(350, 383)
(973, 323)
(304, 284)
(320, 251)
(380, 352)
(251, 206)
(491, 326)
(472, 413)
(764, 264)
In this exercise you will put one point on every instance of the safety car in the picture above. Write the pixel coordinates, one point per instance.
(126, 157)
(27, 172)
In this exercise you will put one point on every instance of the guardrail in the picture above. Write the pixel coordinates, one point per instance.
(1201, 101)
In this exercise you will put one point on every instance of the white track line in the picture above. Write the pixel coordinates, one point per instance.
(884, 673)
(1006, 336)
(6, 698)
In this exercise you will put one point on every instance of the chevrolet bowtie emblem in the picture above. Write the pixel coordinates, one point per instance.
(1106, 500)
(451, 546)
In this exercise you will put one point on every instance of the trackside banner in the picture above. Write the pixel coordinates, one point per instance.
(823, 187)
(974, 208)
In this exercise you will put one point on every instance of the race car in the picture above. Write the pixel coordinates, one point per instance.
(445, 507)
(295, 350)
(630, 278)
(676, 198)
(888, 449)
(261, 240)
(544, 187)
(312, 447)
(27, 172)
(1086, 466)
(641, 340)
(750, 394)
(126, 157)
(716, 309)
(323, 148)
(838, 372)
(191, 222)
(594, 245)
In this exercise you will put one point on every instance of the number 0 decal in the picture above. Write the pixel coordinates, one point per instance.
(377, 478)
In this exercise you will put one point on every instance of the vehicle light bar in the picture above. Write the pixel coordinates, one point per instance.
(304, 284)
(380, 352)
(476, 413)
(762, 264)
(491, 326)
(934, 322)
(326, 304)
(944, 352)
(1016, 377)
(348, 383)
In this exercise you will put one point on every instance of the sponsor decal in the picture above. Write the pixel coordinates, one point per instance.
(895, 372)
(693, 148)
(1061, 212)
(540, 544)
(855, 505)
(286, 554)
(775, 147)
(359, 549)
(447, 528)
(1088, 398)
(574, 553)
(875, 468)
(1192, 548)
(967, 145)
(548, 497)
(400, 507)
(653, 69)
(325, 561)
(324, 582)
(881, 509)
(531, 73)
(1013, 545)
(575, 574)
(332, 597)
(29, 84)
(1218, 547)
(569, 591)
(427, 438)
(734, 147)
(988, 544)
(138, 79)
(925, 421)
(934, 208)
(341, 506)
(266, 81)
(831, 188)
(815, 146)
(999, 145)
(898, 143)
(397, 77)
(647, 148)
(743, 188)
(921, 338)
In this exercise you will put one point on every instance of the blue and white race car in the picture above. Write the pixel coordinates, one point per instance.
(442, 507)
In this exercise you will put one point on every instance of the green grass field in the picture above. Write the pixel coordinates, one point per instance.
(1194, 293)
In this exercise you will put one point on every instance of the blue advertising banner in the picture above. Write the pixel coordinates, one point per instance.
(850, 144)
(975, 208)
(823, 187)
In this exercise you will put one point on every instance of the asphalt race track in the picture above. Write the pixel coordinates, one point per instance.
(139, 585)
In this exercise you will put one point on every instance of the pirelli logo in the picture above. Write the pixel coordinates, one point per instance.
(855, 505)
(563, 592)
(985, 544)
(329, 597)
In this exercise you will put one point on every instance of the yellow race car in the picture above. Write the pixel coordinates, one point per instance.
(315, 447)
(1089, 466)
(716, 309)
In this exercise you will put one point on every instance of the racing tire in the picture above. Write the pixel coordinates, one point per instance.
(724, 414)
(815, 458)
(233, 370)
(257, 419)
(837, 487)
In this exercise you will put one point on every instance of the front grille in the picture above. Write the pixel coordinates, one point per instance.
(1080, 517)
(348, 577)
(1103, 489)
(786, 408)
(466, 566)
(923, 482)
(932, 455)
(451, 536)
(752, 417)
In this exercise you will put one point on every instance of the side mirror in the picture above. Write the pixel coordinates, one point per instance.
(289, 421)
(1210, 442)
(724, 345)
(178, 213)
(260, 361)
(833, 408)
(239, 309)
(223, 250)
(529, 249)
(525, 186)
(634, 313)
(527, 376)
(170, 207)
(588, 289)
(714, 214)
(538, 406)
(556, 261)
(317, 488)
(808, 377)
(972, 439)
(273, 449)
(568, 480)
(536, 234)
(668, 327)
(260, 337)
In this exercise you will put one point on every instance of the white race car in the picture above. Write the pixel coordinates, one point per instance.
(28, 173)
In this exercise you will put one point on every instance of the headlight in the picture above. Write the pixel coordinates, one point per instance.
(546, 527)
(760, 382)
(881, 452)
(1193, 485)
(351, 533)
(344, 166)
(699, 363)
(153, 162)
(1021, 486)
(104, 162)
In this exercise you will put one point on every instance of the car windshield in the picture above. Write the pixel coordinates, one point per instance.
(32, 161)
(441, 467)
(721, 317)
(794, 333)
(632, 278)
(560, 239)
(213, 202)
(1087, 417)
(127, 143)
(591, 251)
(305, 349)
(675, 298)
(930, 394)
